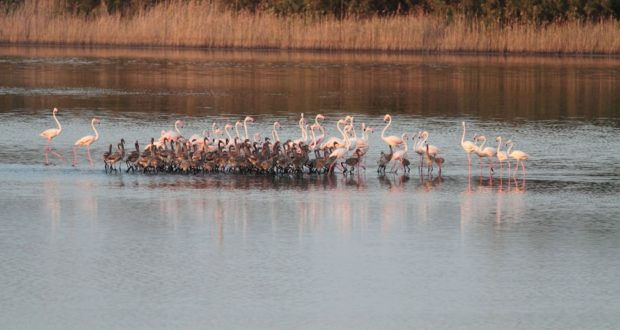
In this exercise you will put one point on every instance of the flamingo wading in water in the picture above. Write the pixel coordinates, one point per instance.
(391, 140)
(86, 141)
(49, 134)
(517, 155)
(468, 146)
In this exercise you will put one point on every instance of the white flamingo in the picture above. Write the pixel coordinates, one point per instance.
(333, 141)
(401, 154)
(517, 155)
(341, 151)
(50, 134)
(501, 155)
(484, 152)
(247, 120)
(173, 135)
(391, 140)
(468, 146)
(86, 141)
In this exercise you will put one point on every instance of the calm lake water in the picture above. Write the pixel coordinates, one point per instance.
(83, 249)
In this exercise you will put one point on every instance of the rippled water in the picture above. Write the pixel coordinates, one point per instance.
(82, 249)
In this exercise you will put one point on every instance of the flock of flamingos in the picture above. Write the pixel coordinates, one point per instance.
(313, 152)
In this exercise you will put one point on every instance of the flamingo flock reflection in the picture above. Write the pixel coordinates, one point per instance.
(233, 151)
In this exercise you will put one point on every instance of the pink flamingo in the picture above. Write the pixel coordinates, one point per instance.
(517, 155)
(333, 141)
(86, 141)
(49, 134)
(501, 156)
(468, 146)
(247, 120)
(173, 135)
(400, 155)
(483, 152)
(391, 140)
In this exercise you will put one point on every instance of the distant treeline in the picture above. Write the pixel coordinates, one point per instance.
(499, 11)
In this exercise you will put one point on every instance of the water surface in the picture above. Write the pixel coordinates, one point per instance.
(82, 249)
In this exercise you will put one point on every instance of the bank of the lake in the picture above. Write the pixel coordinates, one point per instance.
(206, 25)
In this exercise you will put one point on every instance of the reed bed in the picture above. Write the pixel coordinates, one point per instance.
(205, 24)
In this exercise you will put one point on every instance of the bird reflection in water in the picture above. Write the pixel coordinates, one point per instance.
(393, 182)
(429, 184)
(52, 200)
(87, 198)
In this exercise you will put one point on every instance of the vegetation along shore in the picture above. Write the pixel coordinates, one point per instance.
(510, 26)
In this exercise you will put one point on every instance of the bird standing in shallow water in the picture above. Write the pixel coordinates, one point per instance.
(517, 155)
(469, 147)
(49, 134)
(86, 141)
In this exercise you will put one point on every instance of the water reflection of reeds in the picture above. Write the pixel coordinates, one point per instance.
(206, 83)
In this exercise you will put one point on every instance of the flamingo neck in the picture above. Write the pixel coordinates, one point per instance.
(227, 133)
(316, 121)
(509, 149)
(237, 130)
(353, 129)
(405, 143)
(484, 140)
(92, 124)
(176, 127)
(386, 127)
(313, 136)
(274, 134)
(245, 127)
(499, 145)
(463, 136)
(57, 122)
(340, 129)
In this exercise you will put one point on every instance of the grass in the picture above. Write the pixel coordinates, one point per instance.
(204, 24)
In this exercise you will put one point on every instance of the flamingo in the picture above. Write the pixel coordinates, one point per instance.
(49, 134)
(304, 133)
(362, 143)
(517, 155)
(173, 135)
(468, 146)
(226, 128)
(482, 152)
(237, 125)
(317, 140)
(316, 119)
(274, 131)
(501, 155)
(333, 141)
(430, 149)
(86, 141)
(340, 152)
(391, 140)
(247, 120)
(400, 155)
(117, 156)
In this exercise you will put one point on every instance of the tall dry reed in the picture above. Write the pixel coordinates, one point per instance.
(204, 24)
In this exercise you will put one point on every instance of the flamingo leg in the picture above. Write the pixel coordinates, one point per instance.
(331, 167)
(88, 154)
(56, 154)
(393, 166)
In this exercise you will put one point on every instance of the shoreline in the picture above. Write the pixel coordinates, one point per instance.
(204, 26)
(472, 53)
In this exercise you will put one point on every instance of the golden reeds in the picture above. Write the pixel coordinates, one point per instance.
(204, 24)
